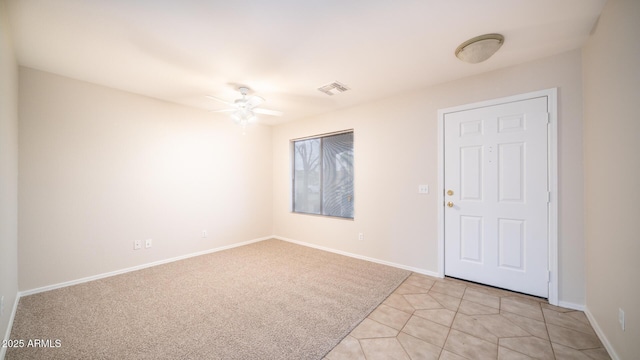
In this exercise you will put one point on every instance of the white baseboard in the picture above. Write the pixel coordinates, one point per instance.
(570, 305)
(138, 267)
(601, 335)
(356, 256)
(7, 335)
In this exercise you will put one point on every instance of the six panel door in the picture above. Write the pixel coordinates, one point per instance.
(496, 195)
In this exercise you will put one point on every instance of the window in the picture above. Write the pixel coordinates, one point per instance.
(323, 175)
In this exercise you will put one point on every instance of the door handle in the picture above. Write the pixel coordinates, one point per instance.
(450, 204)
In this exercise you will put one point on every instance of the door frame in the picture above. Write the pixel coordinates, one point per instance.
(552, 135)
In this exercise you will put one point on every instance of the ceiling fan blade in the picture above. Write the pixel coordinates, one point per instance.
(254, 101)
(268, 112)
(220, 100)
(223, 110)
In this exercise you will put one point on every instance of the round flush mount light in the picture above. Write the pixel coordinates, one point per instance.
(480, 48)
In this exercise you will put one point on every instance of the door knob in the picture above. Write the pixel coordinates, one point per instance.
(449, 192)
(450, 204)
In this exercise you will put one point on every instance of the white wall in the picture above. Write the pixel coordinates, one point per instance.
(100, 168)
(612, 169)
(8, 173)
(396, 149)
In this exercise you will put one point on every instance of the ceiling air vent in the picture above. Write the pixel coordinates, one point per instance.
(333, 88)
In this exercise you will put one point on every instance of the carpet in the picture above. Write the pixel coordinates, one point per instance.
(267, 300)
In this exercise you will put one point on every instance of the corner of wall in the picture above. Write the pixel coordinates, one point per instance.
(611, 84)
(8, 176)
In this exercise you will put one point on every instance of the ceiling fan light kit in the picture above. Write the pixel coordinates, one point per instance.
(243, 110)
(243, 117)
(479, 48)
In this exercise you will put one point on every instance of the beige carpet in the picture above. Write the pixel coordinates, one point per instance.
(268, 300)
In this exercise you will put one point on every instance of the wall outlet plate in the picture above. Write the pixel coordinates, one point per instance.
(148, 243)
(423, 189)
(137, 245)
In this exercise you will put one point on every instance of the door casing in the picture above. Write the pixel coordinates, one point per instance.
(552, 101)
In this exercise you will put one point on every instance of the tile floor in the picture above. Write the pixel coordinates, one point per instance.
(430, 318)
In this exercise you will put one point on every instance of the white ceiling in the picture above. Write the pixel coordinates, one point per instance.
(284, 50)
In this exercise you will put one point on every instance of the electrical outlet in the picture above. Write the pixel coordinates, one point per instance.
(204, 233)
(360, 236)
(137, 245)
(621, 318)
(423, 189)
(148, 243)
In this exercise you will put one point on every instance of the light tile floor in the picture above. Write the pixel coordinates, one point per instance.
(449, 319)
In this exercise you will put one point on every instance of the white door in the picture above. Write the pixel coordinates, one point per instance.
(496, 195)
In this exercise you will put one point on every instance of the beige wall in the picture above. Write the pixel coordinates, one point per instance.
(396, 149)
(8, 173)
(612, 169)
(100, 168)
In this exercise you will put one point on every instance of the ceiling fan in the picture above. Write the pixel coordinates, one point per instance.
(243, 109)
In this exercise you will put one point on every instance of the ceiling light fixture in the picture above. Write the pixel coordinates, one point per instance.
(480, 48)
(243, 117)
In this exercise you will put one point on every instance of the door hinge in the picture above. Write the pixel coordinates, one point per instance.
(548, 276)
(548, 197)
(548, 118)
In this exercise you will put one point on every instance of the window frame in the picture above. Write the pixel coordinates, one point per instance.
(293, 171)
